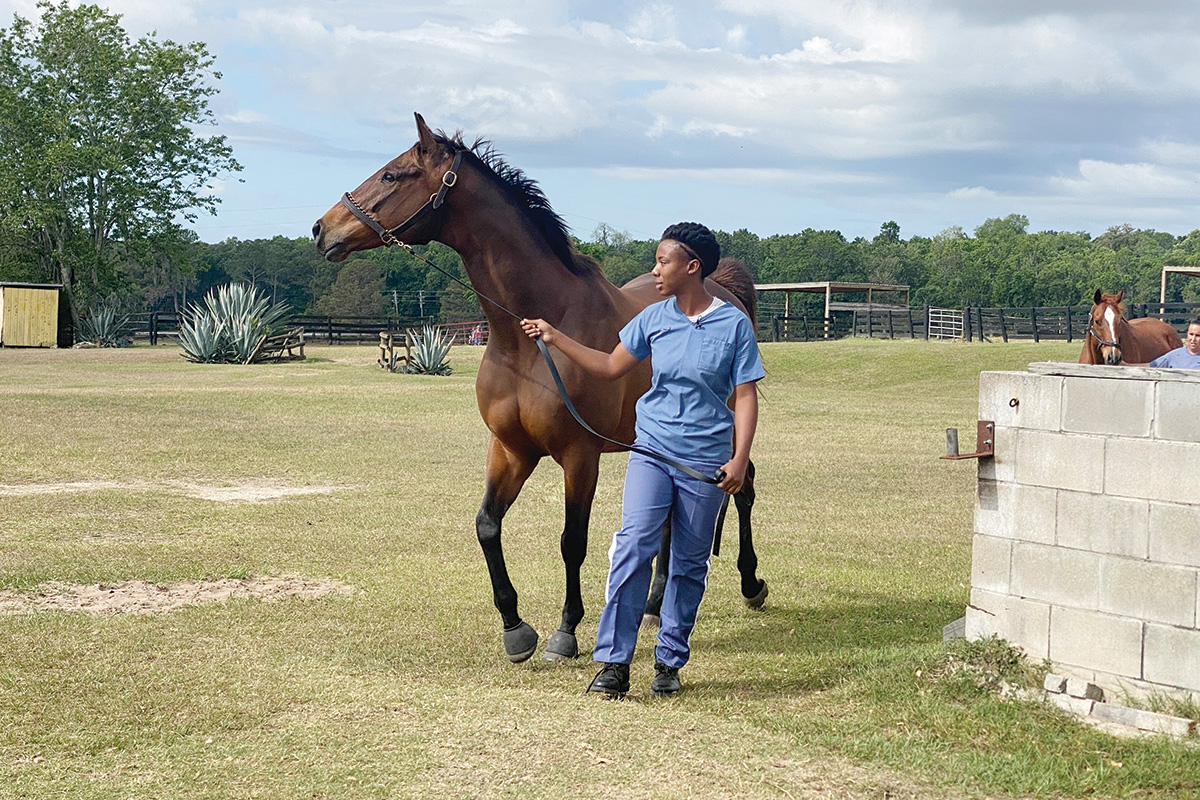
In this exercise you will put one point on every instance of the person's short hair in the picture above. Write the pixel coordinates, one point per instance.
(699, 241)
(1196, 321)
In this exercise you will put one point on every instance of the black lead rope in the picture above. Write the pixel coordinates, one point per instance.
(390, 237)
(562, 390)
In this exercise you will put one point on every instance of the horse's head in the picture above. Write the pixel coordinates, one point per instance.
(397, 201)
(1105, 327)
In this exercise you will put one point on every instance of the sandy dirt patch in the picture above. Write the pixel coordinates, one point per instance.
(140, 597)
(253, 491)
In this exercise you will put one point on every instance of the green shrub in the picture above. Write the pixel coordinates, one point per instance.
(429, 352)
(103, 328)
(229, 326)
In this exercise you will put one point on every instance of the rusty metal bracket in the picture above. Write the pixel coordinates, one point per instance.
(985, 442)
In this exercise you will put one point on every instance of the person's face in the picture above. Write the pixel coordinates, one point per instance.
(1193, 340)
(673, 266)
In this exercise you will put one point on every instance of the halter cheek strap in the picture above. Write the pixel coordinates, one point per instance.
(392, 236)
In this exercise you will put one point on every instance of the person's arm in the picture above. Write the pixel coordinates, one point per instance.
(745, 420)
(605, 365)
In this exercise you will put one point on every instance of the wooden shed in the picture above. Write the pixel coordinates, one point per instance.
(29, 314)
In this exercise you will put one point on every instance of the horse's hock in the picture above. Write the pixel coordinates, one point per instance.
(1087, 523)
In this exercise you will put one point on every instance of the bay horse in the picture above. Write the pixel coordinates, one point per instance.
(1112, 339)
(520, 261)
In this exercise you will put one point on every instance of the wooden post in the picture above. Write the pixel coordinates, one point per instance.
(967, 322)
(1033, 321)
(891, 330)
(1069, 334)
(926, 322)
(775, 328)
(1003, 327)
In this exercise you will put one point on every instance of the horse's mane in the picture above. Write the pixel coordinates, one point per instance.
(528, 196)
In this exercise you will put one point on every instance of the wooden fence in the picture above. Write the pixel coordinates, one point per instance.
(333, 330)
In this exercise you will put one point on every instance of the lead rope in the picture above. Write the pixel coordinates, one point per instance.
(715, 478)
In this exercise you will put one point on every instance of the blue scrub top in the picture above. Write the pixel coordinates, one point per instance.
(1179, 358)
(695, 367)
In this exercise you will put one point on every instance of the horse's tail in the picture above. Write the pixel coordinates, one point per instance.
(731, 273)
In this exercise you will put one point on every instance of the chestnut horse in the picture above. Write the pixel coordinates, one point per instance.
(520, 262)
(1112, 339)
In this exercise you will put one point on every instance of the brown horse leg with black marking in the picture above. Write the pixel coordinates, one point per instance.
(580, 471)
(506, 474)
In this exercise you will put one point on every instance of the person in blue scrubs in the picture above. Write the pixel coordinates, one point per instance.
(1186, 357)
(704, 351)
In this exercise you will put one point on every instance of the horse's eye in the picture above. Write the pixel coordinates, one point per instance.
(388, 177)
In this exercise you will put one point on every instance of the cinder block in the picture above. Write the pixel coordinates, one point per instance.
(1023, 623)
(1177, 411)
(1103, 524)
(1175, 534)
(1148, 591)
(1054, 683)
(1039, 400)
(1055, 575)
(991, 558)
(1143, 720)
(954, 630)
(1012, 511)
(1152, 469)
(1084, 689)
(1061, 461)
(1109, 407)
(1073, 705)
(1173, 656)
(1096, 641)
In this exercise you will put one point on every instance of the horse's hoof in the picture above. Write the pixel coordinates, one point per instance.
(520, 642)
(651, 622)
(758, 599)
(562, 646)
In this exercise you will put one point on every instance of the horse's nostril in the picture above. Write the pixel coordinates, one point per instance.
(317, 229)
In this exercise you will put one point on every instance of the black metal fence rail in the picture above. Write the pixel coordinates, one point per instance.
(1063, 323)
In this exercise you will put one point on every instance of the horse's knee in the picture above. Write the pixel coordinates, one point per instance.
(487, 526)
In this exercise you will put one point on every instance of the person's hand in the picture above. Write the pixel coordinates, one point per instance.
(539, 329)
(735, 476)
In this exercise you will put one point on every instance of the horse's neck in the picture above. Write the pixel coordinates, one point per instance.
(509, 263)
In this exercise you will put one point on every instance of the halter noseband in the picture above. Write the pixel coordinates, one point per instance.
(1101, 339)
(392, 236)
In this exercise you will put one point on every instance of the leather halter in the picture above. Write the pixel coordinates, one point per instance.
(392, 236)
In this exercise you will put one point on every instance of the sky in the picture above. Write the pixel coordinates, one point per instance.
(769, 115)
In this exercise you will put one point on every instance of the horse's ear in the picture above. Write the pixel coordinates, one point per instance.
(425, 138)
(1096, 298)
(1120, 294)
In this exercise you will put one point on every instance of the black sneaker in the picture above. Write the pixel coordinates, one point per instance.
(612, 680)
(666, 680)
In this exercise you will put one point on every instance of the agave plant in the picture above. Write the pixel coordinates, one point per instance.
(103, 328)
(229, 326)
(429, 351)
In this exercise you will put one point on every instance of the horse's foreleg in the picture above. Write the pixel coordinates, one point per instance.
(662, 562)
(580, 472)
(754, 590)
(506, 474)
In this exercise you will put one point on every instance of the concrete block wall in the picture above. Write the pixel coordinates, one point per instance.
(1086, 549)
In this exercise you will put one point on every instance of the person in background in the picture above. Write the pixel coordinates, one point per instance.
(1186, 357)
(703, 351)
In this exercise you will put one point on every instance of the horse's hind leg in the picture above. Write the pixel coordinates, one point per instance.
(506, 474)
(754, 590)
(651, 617)
(580, 470)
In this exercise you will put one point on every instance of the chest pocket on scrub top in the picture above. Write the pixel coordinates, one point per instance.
(715, 355)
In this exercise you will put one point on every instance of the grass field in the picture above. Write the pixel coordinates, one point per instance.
(134, 465)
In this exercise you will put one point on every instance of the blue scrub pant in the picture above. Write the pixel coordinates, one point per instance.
(652, 490)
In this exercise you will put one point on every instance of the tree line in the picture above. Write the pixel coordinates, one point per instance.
(999, 264)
